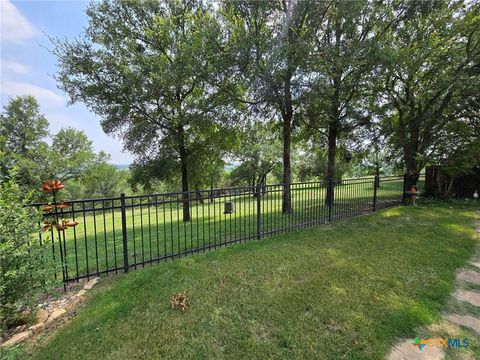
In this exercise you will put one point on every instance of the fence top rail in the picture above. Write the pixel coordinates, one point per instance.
(78, 201)
(392, 177)
(222, 192)
(70, 212)
(253, 188)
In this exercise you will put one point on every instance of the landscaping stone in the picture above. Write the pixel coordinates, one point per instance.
(21, 328)
(37, 327)
(405, 350)
(52, 311)
(472, 297)
(47, 313)
(90, 283)
(42, 315)
(74, 301)
(17, 338)
(465, 320)
(55, 314)
(469, 276)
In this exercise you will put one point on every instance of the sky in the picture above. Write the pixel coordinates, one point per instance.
(26, 65)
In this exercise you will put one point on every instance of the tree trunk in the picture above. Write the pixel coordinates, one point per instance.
(332, 151)
(411, 143)
(334, 123)
(411, 176)
(287, 166)
(262, 182)
(184, 170)
(198, 195)
(449, 187)
(211, 195)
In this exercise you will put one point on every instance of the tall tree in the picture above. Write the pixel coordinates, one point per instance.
(345, 52)
(23, 130)
(275, 41)
(313, 160)
(426, 72)
(71, 151)
(101, 179)
(23, 125)
(146, 68)
(259, 154)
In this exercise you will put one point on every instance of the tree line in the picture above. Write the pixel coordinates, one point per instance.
(31, 154)
(188, 84)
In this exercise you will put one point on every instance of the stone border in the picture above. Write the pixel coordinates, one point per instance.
(50, 314)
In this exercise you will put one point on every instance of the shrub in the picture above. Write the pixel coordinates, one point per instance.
(24, 271)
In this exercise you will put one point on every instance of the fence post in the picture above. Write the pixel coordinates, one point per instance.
(330, 199)
(376, 181)
(259, 214)
(124, 231)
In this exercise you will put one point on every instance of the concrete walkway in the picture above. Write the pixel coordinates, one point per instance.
(406, 350)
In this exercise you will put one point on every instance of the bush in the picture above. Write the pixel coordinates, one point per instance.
(24, 271)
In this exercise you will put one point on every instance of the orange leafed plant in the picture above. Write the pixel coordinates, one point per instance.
(48, 208)
(62, 205)
(70, 223)
(52, 185)
(59, 224)
(46, 226)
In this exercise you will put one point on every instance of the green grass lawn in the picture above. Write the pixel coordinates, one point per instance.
(342, 291)
(157, 231)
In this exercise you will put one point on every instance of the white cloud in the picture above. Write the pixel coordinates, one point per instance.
(44, 96)
(14, 27)
(8, 67)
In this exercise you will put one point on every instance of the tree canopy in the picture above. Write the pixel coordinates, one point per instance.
(147, 68)
(183, 83)
(426, 74)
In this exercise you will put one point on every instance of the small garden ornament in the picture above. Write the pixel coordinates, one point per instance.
(413, 192)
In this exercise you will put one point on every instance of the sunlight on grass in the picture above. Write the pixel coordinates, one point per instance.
(391, 213)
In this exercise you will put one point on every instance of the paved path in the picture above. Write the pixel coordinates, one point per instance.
(465, 320)
(470, 296)
(469, 276)
(406, 350)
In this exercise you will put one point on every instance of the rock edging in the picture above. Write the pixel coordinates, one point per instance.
(50, 314)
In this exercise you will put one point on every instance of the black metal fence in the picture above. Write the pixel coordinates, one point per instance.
(125, 232)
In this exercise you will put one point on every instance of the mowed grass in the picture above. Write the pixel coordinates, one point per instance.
(342, 291)
(155, 229)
